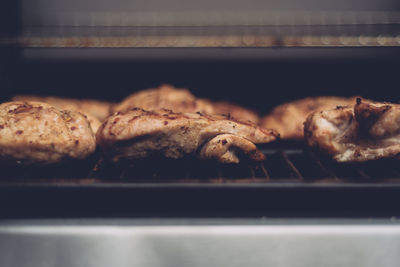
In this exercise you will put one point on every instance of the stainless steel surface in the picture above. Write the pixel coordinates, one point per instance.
(227, 23)
(233, 40)
(207, 13)
(197, 242)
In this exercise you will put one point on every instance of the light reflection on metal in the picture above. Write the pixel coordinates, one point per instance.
(204, 41)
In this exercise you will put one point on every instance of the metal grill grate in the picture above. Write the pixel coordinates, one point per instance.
(297, 165)
(292, 182)
(284, 164)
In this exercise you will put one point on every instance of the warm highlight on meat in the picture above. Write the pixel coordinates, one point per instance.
(165, 97)
(236, 111)
(367, 131)
(138, 134)
(34, 132)
(288, 118)
(182, 100)
(96, 111)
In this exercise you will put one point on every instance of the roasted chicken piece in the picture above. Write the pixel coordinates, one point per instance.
(99, 109)
(367, 131)
(165, 97)
(136, 134)
(96, 111)
(288, 118)
(34, 132)
(182, 100)
(235, 111)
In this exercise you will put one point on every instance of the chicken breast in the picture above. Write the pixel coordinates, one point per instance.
(236, 111)
(288, 118)
(365, 131)
(34, 132)
(165, 97)
(96, 111)
(137, 134)
(182, 100)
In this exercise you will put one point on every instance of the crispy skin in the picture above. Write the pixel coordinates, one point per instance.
(235, 111)
(34, 132)
(182, 100)
(137, 134)
(165, 97)
(367, 131)
(94, 122)
(288, 118)
(99, 109)
(95, 110)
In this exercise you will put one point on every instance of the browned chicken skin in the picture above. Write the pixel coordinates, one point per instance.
(168, 97)
(367, 131)
(96, 111)
(236, 111)
(34, 132)
(137, 134)
(288, 118)
(182, 100)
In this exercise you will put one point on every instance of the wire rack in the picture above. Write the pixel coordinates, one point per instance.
(296, 165)
(292, 182)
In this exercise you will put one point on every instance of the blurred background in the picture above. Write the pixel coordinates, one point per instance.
(255, 53)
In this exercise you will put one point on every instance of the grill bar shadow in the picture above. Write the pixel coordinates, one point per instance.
(284, 164)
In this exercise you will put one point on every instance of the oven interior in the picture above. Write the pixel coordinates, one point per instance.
(298, 208)
(258, 55)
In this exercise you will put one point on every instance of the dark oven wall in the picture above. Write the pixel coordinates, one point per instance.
(46, 48)
(254, 77)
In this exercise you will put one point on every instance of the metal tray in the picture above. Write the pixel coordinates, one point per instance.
(188, 242)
